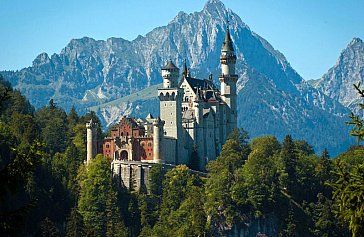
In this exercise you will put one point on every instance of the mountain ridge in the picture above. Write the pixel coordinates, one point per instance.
(111, 69)
(337, 82)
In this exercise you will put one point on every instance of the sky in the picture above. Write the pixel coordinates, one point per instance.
(310, 33)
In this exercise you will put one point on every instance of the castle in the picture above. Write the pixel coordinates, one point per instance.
(195, 121)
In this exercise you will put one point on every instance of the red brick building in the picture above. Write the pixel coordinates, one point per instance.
(130, 140)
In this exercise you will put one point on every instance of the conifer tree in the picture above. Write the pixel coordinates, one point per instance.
(98, 199)
(349, 188)
(75, 227)
(289, 163)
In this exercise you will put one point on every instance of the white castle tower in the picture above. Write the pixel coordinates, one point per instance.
(228, 80)
(170, 97)
(91, 140)
(158, 140)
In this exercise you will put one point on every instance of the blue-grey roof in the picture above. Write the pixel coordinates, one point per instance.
(228, 43)
(169, 65)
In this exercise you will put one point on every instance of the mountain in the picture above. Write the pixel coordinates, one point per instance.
(272, 99)
(338, 82)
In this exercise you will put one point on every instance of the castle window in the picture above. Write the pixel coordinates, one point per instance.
(149, 144)
(149, 154)
(107, 145)
(122, 134)
(142, 144)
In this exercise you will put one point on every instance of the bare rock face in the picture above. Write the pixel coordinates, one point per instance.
(338, 82)
(272, 99)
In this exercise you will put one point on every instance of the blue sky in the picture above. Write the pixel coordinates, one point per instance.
(310, 33)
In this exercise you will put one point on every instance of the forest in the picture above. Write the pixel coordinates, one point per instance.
(258, 185)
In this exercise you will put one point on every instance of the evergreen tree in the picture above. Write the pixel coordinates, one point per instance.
(349, 187)
(48, 229)
(75, 227)
(289, 163)
(54, 129)
(98, 199)
(219, 206)
(257, 185)
(181, 211)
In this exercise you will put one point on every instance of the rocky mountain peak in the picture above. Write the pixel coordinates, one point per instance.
(214, 4)
(338, 82)
(215, 8)
(41, 59)
(356, 40)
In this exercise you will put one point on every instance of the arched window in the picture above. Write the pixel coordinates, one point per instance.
(124, 155)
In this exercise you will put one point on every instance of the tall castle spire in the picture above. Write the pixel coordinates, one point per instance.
(228, 80)
(228, 43)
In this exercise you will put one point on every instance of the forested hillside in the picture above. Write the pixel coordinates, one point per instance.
(257, 187)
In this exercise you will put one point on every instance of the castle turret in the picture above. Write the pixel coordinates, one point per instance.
(91, 140)
(170, 74)
(228, 80)
(157, 140)
(170, 97)
(199, 129)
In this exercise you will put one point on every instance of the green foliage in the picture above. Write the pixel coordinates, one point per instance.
(289, 158)
(98, 199)
(349, 186)
(257, 181)
(356, 121)
(349, 196)
(181, 211)
(48, 229)
(156, 175)
(75, 226)
(219, 205)
(53, 125)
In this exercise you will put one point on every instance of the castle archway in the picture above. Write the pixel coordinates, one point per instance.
(124, 155)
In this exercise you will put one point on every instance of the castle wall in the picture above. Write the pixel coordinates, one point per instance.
(133, 175)
(169, 148)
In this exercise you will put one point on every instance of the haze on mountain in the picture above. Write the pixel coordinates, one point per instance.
(338, 82)
(273, 98)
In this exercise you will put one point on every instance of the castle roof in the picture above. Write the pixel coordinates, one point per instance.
(169, 65)
(128, 120)
(228, 43)
(188, 115)
(201, 84)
